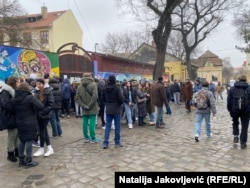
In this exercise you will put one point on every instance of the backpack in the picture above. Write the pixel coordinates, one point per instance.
(202, 102)
(240, 99)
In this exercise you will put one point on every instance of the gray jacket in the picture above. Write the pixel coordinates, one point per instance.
(212, 107)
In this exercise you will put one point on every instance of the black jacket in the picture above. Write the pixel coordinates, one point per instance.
(126, 95)
(48, 103)
(57, 93)
(25, 106)
(7, 117)
(113, 99)
(243, 85)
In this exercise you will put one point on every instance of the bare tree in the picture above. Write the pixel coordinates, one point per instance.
(176, 48)
(228, 70)
(10, 27)
(196, 19)
(125, 42)
(242, 23)
(161, 12)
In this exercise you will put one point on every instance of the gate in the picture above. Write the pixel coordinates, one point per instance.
(74, 60)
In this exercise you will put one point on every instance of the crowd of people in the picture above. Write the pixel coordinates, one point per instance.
(29, 105)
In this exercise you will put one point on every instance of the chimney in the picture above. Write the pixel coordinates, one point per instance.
(44, 11)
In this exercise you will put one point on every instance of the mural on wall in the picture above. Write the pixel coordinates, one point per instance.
(16, 61)
(121, 76)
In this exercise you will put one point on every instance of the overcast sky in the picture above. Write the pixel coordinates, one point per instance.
(99, 17)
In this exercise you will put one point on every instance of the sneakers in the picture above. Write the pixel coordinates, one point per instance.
(160, 127)
(35, 144)
(162, 123)
(118, 145)
(105, 147)
(96, 140)
(209, 136)
(86, 140)
(39, 152)
(130, 126)
(49, 152)
(236, 139)
(243, 145)
(113, 127)
(151, 123)
(196, 138)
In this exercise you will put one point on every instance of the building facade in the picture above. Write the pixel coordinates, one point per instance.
(47, 31)
(209, 67)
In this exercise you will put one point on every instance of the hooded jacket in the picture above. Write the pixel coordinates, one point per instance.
(112, 98)
(25, 106)
(239, 84)
(87, 95)
(7, 117)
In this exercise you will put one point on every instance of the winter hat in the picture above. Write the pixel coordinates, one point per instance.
(40, 80)
(160, 78)
(112, 79)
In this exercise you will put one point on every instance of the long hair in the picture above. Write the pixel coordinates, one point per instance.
(12, 81)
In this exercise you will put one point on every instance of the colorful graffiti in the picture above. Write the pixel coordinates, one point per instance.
(121, 76)
(16, 61)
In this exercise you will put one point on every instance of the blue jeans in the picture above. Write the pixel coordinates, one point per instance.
(117, 120)
(199, 118)
(55, 123)
(168, 109)
(152, 117)
(128, 112)
(159, 113)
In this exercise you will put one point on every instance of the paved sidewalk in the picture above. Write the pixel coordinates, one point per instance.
(76, 164)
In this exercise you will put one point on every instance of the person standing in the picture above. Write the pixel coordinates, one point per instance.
(7, 92)
(219, 90)
(129, 95)
(25, 105)
(45, 95)
(176, 89)
(236, 113)
(168, 93)
(204, 112)
(54, 119)
(188, 94)
(159, 98)
(66, 96)
(86, 96)
(101, 84)
(113, 99)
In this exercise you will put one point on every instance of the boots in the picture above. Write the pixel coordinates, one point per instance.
(30, 162)
(140, 120)
(22, 161)
(11, 156)
(16, 152)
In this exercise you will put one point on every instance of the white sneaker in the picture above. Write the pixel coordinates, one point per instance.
(112, 126)
(39, 152)
(130, 126)
(49, 152)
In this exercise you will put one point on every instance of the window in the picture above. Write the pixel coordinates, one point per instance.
(27, 38)
(44, 37)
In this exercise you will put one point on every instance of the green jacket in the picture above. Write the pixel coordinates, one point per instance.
(87, 95)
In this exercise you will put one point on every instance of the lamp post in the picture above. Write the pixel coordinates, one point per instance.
(96, 44)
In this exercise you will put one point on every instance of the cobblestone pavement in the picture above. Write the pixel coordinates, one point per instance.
(76, 164)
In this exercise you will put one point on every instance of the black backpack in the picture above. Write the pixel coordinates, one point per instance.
(240, 99)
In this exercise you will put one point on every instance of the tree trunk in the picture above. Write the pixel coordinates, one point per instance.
(192, 72)
(159, 64)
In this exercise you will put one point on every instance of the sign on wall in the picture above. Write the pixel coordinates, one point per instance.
(16, 61)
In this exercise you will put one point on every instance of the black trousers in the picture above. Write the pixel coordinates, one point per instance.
(244, 118)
